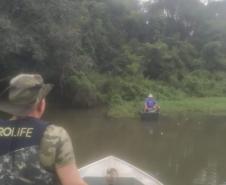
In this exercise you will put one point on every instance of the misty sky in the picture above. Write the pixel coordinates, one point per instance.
(204, 1)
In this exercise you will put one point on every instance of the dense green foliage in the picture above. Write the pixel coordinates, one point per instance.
(112, 51)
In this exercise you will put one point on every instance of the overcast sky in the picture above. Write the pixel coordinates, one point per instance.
(204, 1)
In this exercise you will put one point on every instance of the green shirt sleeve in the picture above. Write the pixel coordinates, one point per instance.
(56, 148)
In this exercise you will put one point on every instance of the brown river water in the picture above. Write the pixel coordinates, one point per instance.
(182, 150)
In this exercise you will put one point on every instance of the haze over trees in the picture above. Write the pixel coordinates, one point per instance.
(111, 51)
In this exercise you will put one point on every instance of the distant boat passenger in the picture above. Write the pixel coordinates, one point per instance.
(150, 105)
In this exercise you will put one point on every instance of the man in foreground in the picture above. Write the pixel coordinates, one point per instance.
(31, 151)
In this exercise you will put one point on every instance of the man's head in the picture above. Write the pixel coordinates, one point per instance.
(150, 96)
(26, 97)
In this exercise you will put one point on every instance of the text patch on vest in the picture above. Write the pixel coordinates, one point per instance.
(16, 132)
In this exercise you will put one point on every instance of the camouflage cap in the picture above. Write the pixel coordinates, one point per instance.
(25, 91)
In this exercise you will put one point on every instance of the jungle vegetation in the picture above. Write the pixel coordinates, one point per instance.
(107, 52)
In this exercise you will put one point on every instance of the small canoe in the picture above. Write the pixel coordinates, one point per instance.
(114, 171)
(149, 116)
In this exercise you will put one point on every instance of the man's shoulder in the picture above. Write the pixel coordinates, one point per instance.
(53, 130)
(54, 133)
(56, 147)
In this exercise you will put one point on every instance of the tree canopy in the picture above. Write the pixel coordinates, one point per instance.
(102, 51)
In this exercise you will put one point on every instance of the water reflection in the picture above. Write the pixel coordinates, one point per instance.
(185, 150)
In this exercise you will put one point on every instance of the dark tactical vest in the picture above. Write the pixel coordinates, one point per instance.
(19, 153)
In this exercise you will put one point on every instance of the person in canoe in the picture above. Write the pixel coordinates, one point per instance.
(150, 104)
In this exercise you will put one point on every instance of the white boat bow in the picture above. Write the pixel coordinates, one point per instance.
(120, 168)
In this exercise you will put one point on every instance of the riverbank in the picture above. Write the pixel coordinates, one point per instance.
(130, 109)
(207, 105)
